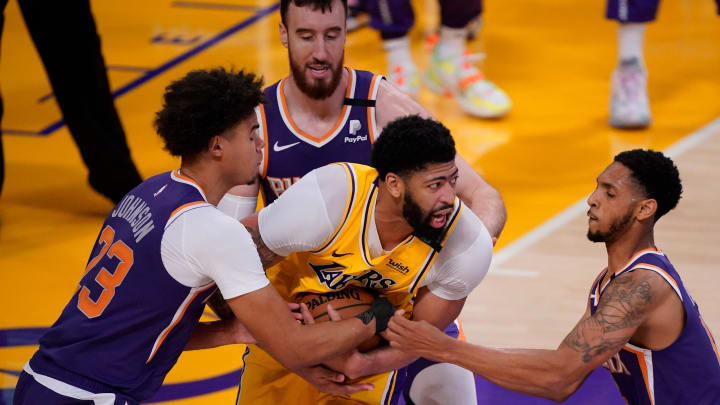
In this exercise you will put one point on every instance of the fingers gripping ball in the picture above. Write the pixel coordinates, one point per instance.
(348, 303)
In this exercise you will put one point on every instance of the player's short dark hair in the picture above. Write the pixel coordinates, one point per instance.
(656, 176)
(204, 104)
(409, 144)
(321, 5)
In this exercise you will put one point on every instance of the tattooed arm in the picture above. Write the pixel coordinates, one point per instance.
(555, 374)
(268, 258)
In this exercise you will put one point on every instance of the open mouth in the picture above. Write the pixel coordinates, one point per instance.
(440, 218)
(319, 70)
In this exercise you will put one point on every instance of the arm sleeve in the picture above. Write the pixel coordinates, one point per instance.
(237, 206)
(307, 214)
(464, 260)
(204, 245)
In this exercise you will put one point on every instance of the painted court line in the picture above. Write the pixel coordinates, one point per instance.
(559, 220)
(154, 72)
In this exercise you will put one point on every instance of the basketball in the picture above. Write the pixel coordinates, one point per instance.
(348, 303)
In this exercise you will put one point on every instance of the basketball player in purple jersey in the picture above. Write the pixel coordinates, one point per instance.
(641, 322)
(163, 251)
(324, 112)
(629, 102)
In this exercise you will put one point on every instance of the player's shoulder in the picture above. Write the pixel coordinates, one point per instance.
(393, 103)
(468, 236)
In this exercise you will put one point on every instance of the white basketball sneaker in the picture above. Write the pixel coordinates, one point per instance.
(629, 104)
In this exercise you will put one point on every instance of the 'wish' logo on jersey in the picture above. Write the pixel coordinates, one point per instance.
(398, 266)
(616, 365)
(332, 275)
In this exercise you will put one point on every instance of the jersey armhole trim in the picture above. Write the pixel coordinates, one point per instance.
(662, 274)
(372, 95)
(349, 204)
(264, 134)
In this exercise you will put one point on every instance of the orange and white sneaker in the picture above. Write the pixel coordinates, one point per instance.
(459, 78)
(406, 78)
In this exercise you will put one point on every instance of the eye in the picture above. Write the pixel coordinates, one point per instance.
(434, 186)
(331, 36)
(454, 180)
(306, 37)
(610, 195)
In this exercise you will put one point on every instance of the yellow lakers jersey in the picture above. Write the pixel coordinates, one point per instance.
(344, 259)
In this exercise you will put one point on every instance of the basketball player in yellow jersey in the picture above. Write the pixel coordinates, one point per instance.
(397, 228)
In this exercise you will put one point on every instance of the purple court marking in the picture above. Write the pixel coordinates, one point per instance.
(153, 72)
(20, 336)
(171, 392)
(15, 373)
(46, 97)
(214, 6)
(127, 68)
(20, 132)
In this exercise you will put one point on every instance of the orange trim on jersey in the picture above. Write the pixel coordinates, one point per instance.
(667, 277)
(186, 178)
(182, 207)
(635, 256)
(370, 110)
(712, 340)
(461, 336)
(267, 141)
(332, 130)
(170, 328)
(643, 368)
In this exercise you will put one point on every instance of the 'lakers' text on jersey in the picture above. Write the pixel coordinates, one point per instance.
(290, 153)
(687, 371)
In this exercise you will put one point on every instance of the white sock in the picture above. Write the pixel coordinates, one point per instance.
(451, 43)
(398, 51)
(630, 42)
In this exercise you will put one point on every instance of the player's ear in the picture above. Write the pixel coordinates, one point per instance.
(216, 146)
(646, 209)
(395, 185)
(283, 34)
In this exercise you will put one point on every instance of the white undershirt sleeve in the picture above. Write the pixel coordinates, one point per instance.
(237, 206)
(463, 261)
(204, 245)
(307, 214)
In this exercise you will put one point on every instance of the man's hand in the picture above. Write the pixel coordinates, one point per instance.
(329, 381)
(416, 338)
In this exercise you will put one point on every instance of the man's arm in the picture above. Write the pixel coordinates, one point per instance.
(429, 308)
(267, 317)
(482, 198)
(219, 333)
(553, 374)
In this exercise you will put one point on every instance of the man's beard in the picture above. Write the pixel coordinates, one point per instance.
(420, 222)
(615, 228)
(316, 89)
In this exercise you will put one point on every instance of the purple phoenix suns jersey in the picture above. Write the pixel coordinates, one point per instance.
(687, 371)
(129, 320)
(291, 153)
